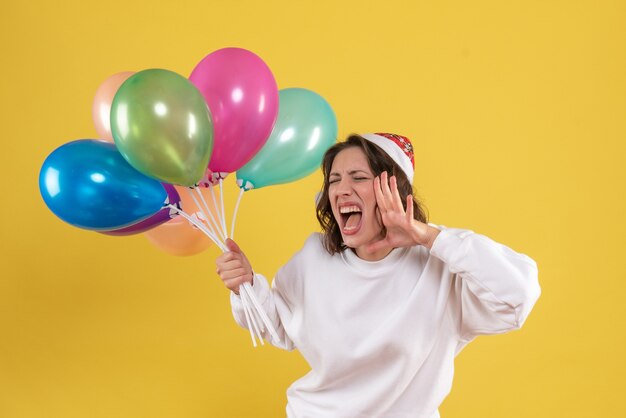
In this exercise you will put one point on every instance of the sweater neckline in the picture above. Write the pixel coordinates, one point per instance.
(373, 268)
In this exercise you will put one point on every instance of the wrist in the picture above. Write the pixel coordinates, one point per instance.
(424, 234)
(430, 236)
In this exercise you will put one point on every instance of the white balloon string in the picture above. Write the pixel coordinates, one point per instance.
(200, 226)
(206, 215)
(245, 287)
(232, 227)
(211, 217)
(220, 216)
(255, 323)
(256, 306)
(223, 211)
(244, 296)
(261, 312)
(248, 315)
(258, 318)
(250, 294)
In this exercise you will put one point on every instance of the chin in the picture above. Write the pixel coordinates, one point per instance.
(354, 241)
(350, 243)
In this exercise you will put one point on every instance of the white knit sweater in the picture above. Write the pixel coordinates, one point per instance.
(381, 337)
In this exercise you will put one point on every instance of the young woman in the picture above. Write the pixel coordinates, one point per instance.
(381, 302)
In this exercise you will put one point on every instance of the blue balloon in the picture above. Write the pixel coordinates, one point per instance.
(88, 184)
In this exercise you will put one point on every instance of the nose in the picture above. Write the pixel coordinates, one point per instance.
(344, 187)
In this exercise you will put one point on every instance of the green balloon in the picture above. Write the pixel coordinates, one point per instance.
(162, 125)
(305, 128)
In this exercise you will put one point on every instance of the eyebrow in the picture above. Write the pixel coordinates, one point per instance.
(351, 172)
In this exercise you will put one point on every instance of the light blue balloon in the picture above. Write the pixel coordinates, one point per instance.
(305, 128)
(88, 184)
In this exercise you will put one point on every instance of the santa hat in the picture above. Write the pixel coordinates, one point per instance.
(398, 147)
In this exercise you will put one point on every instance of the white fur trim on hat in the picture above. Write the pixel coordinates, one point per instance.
(396, 153)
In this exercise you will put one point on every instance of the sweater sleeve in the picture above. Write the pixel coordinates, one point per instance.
(495, 288)
(267, 298)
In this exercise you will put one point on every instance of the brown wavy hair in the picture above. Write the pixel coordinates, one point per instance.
(378, 161)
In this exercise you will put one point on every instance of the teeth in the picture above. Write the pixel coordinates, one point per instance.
(349, 209)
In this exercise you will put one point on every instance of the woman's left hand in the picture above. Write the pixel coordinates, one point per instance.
(402, 230)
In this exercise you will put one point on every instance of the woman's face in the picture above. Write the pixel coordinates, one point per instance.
(352, 199)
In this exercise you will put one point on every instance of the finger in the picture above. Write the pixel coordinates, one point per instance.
(380, 200)
(236, 281)
(397, 201)
(227, 256)
(409, 208)
(233, 262)
(233, 285)
(231, 265)
(385, 188)
(234, 274)
(232, 246)
(384, 191)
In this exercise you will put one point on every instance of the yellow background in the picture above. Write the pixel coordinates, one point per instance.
(517, 111)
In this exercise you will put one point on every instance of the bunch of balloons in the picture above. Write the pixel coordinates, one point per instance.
(163, 134)
(168, 141)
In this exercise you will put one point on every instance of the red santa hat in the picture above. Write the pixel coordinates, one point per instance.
(398, 147)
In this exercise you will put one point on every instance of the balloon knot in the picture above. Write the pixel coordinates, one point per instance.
(216, 177)
(173, 212)
(245, 184)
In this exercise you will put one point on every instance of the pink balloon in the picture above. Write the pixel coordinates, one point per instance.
(242, 95)
(101, 109)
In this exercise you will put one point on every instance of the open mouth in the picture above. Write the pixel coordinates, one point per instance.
(350, 218)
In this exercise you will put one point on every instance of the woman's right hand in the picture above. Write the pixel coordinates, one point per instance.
(233, 267)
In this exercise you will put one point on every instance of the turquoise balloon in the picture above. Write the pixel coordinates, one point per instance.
(305, 128)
